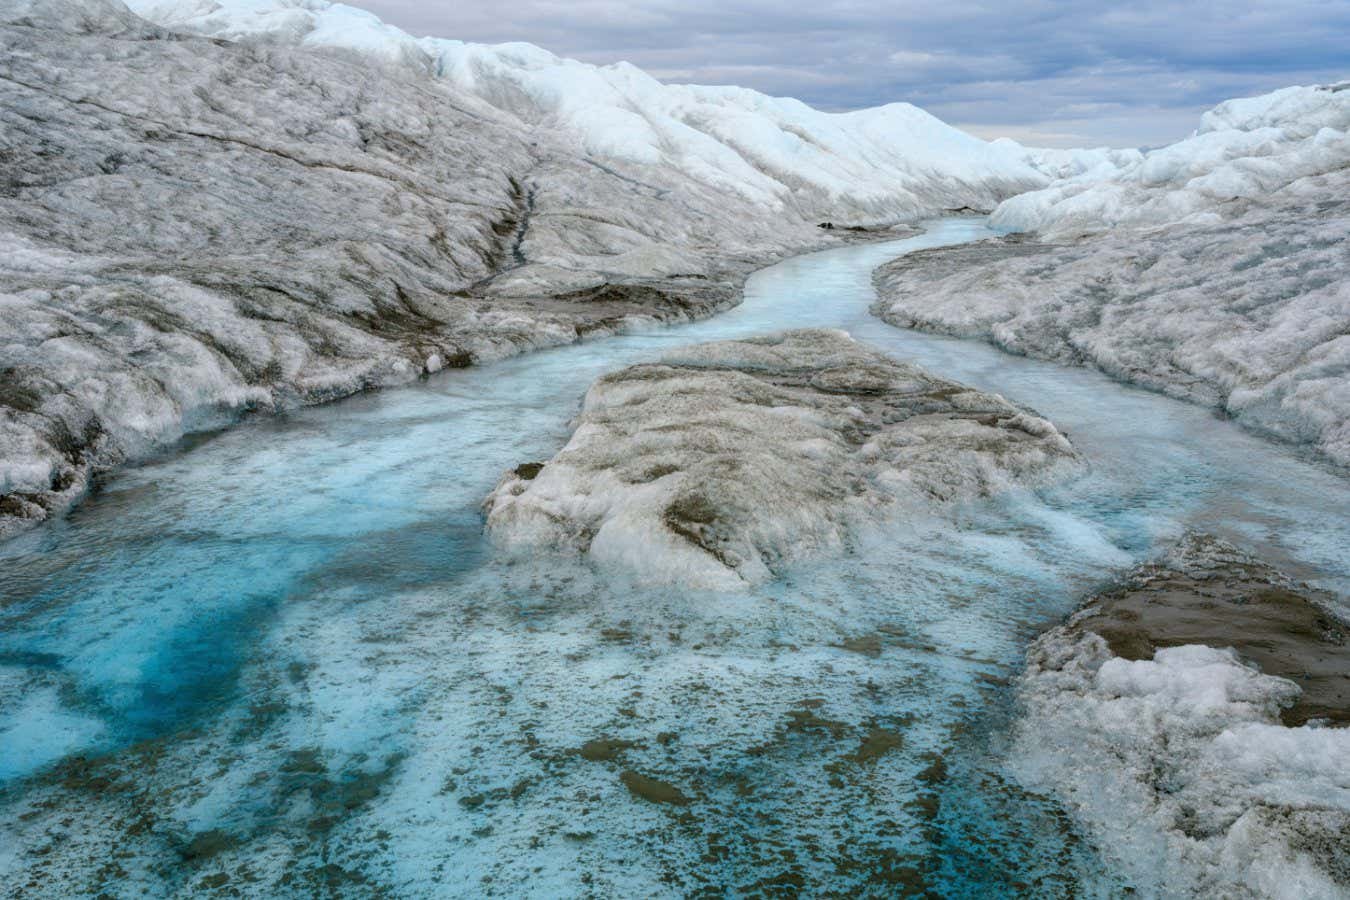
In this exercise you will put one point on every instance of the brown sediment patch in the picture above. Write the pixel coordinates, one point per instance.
(808, 720)
(206, 844)
(529, 471)
(604, 749)
(651, 789)
(876, 744)
(866, 644)
(936, 771)
(1209, 592)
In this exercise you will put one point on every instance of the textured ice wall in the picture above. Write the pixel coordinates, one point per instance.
(193, 228)
(863, 167)
(1216, 269)
(721, 463)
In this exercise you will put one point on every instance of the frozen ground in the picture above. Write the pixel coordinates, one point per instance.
(286, 661)
(1224, 278)
(1182, 716)
(723, 463)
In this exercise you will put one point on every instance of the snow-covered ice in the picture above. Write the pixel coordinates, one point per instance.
(227, 228)
(1245, 153)
(1216, 269)
(194, 228)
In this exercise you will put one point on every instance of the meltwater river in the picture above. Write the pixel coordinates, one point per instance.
(283, 660)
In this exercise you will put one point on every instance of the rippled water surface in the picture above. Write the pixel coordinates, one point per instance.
(285, 660)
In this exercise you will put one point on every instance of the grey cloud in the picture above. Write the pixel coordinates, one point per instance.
(1075, 72)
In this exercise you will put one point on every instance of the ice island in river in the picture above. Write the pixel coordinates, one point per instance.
(768, 597)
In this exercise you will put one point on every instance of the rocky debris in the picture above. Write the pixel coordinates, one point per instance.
(1250, 314)
(721, 463)
(1187, 718)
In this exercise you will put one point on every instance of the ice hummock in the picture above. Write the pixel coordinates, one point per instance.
(721, 463)
(1154, 715)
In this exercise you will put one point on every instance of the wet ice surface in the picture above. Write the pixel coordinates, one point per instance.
(291, 661)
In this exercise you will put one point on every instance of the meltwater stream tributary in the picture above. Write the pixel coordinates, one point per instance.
(284, 659)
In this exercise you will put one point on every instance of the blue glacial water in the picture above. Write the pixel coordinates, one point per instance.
(283, 659)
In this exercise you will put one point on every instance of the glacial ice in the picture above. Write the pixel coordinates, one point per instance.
(230, 227)
(1216, 269)
(196, 228)
(1245, 153)
(1176, 761)
(289, 656)
(872, 166)
(1248, 315)
(722, 463)
(316, 676)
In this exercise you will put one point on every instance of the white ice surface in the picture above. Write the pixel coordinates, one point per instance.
(718, 464)
(1250, 314)
(1179, 768)
(1244, 151)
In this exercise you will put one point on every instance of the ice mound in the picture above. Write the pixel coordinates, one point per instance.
(864, 167)
(1244, 151)
(721, 462)
(1162, 716)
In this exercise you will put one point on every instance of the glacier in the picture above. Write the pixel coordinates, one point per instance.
(758, 617)
(252, 205)
(289, 660)
(865, 167)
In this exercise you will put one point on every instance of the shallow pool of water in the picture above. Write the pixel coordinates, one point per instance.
(284, 659)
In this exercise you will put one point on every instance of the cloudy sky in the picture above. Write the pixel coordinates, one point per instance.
(1046, 72)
